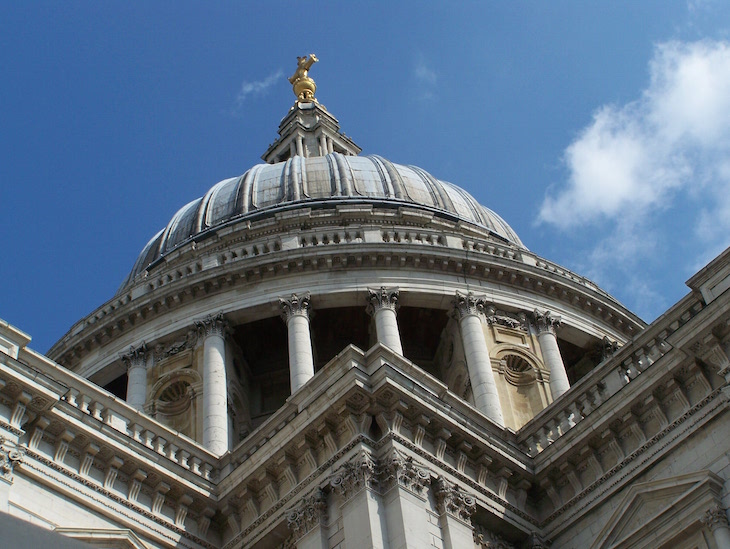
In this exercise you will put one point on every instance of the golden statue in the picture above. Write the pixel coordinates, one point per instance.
(304, 86)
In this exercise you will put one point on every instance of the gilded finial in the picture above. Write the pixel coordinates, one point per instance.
(304, 86)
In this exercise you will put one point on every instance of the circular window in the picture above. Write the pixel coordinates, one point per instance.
(517, 370)
(174, 397)
(174, 391)
(517, 364)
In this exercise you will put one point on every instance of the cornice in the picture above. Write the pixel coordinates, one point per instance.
(203, 273)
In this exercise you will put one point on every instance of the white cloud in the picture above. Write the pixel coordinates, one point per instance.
(426, 79)
(257, 87)
(424, 73)
(638, 155)
(640, 167)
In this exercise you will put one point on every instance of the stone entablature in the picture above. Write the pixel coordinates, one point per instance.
(580, 461)
(457, 447)
(212, 267)
(674, 392)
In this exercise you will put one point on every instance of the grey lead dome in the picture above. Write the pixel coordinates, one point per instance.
(321, 181)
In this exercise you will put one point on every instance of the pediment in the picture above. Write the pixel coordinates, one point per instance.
(648, 508)
(122, 538)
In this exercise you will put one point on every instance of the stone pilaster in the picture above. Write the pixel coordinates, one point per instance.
(136, 361)
(546, 324)
(308, 522)
(362, 516)
(404, 482)
(295, 311)
(468, 309)
(715, 519)
(212, 330)
(455, 509)
(382, 305)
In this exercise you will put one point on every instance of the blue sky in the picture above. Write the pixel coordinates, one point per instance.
(599, 130)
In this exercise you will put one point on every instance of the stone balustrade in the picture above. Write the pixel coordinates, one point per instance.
(606, 379)
(116, 414)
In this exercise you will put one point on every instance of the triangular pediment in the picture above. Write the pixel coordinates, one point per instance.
(649, 506)
(121, 538)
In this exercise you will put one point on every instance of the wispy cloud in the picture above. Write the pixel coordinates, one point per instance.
(424, 74)
(255, 88)
(425, 78)
(666, 152)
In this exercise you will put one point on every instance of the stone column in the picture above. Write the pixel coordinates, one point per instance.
(295, 311)
(469, 309)
(455, 509)
(136, 376)
(546, 325)
(212, 331)
(382, 306)
(716, 520)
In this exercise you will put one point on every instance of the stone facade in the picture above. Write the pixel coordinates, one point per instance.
(380, 365)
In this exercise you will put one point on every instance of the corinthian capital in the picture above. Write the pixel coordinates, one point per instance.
(714, 518)
(383, 298)
(354, 475)
(545, 321)
(10, 455)
(310, 512)
(135, 356)
(404, 471)
(295, 305)
(468, 304)
(450, 499)
(212, 325)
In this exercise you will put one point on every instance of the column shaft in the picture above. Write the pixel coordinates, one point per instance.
(546, 326)
(137, 385)
(295, 311)
(301, 361)
(386, 327)
(215, 395)
(382, 305)
(136, 376)
(215, 385)
(559, 383)
(483, 386)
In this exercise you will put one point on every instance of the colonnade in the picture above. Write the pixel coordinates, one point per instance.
(469, 311)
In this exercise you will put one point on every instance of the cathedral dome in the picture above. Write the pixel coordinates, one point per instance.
(318, 182)
(355, 238)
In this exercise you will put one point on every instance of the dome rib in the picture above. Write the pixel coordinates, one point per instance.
(395, 178)
(299, 181)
